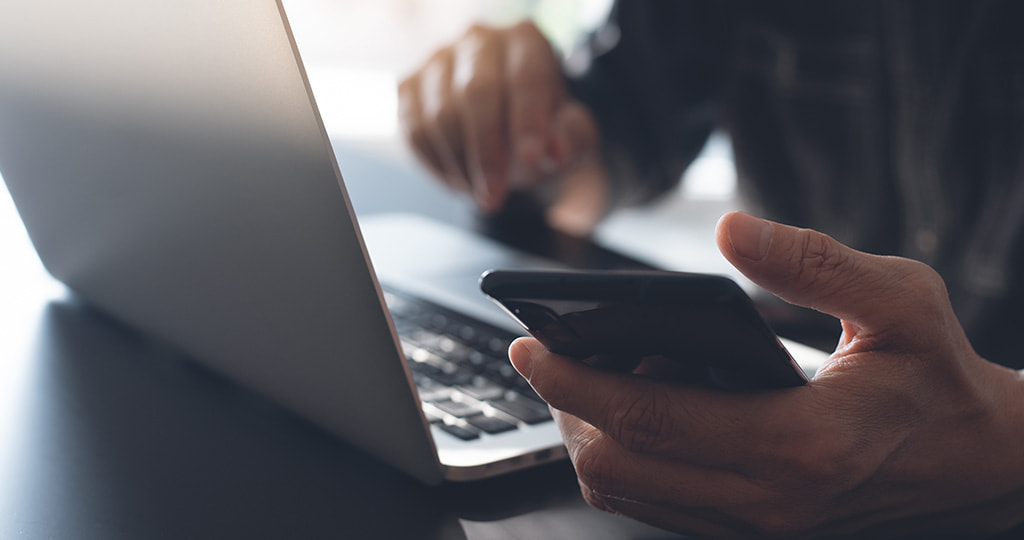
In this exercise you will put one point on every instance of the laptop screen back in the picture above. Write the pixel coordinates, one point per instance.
(171, 168)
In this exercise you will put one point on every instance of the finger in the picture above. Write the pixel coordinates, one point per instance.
(582, 194)
(535, 89)
(676, 495)
(651, 417)
(442, 119)
(576, 135)
(410, 112)
(810, 269)
(477, 85)
(605, 467)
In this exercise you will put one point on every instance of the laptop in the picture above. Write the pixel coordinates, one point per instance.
(171, 167)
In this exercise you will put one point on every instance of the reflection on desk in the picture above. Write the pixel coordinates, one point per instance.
(113, 436)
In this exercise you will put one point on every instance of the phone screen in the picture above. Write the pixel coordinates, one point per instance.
(613, 320)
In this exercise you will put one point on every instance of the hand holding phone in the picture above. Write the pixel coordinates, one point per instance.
(704, 324)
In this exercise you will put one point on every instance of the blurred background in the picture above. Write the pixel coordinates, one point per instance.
(356, 52)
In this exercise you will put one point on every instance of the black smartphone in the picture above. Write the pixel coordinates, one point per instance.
(705, 325)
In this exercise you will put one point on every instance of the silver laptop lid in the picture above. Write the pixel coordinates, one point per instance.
(128, 128)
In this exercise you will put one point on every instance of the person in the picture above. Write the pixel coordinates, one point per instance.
(896, 128)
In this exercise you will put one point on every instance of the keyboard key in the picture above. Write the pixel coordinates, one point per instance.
(504, 373)
(458, 408)
(465, 433)
(435, 321)
(424, 338)
(433, 417)
(483, 389)
(452, 357)
(466, 332)
(402, 326)
(524, 409)
(400, 307)
(480, 362)
(435, 392)
(490, 424)
(446, 374)
(454, 377)
(418, 354)
(455, 351)
(423, 369)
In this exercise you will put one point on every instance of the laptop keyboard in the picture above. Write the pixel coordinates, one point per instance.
(460, 366)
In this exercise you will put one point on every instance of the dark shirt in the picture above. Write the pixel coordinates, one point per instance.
(897, 127)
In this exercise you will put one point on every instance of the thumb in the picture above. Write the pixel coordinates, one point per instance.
(810, 269)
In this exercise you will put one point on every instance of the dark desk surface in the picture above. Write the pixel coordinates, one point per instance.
(106, 435)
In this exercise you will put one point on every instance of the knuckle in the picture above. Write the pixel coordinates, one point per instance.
(525, 28)
(439, 62)
(478, 90)
(434, 78)
(478, 31)
(445, 117)
(819, 255)
(922, 280)
(923, 305)
(470, 49)
(818, 260)
(641, 423)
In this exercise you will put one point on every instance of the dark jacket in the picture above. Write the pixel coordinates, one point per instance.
(895, 126)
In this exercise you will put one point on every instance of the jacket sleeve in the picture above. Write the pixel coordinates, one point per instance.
(651, 75)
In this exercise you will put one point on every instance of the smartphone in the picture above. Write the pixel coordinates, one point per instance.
(704, 325)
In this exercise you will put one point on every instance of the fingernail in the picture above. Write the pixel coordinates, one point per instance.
(521, 357)
(750, 236)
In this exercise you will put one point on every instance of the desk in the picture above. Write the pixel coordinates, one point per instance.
(106, 435)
